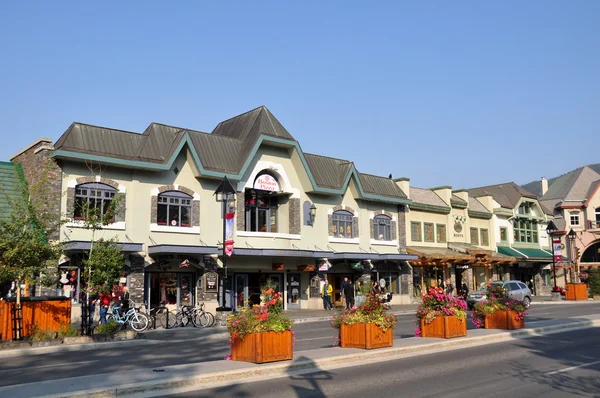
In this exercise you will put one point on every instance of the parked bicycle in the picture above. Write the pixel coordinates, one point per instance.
(202, 317)
(138, 320)
(160, 317)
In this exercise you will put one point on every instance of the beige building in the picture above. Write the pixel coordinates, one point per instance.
(299, 218)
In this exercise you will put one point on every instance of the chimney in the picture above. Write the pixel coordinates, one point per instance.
(544, 186)
(404, 184)
(444, 192)
(463, 194)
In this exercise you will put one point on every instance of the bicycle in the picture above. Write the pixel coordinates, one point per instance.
(202, 318)
(160, 316)
(184, 316)
(138, 320)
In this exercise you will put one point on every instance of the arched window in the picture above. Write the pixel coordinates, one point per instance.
(382, 227)
(342, 224)
(174, 209)
(261, 211)
(93, 195)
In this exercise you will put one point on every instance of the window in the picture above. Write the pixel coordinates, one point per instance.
(415, 231)
(92, 197)
(382, 227)
(343, 223)
(484, 237)
(525, 209)
(474, 236)
(574, 219)
(428, 229)
(441, 233)
(503, 234)
(392, 281)
(525, 231)
(261, 211)
(598, 215)
(174, 209)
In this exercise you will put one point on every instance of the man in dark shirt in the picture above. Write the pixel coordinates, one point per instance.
(349, 294)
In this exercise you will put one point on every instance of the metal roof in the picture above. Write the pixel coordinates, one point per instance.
(328, 172)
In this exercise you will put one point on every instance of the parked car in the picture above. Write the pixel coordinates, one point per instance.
(516, 289)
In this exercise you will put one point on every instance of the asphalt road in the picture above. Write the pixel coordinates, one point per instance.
(558, 365)
(309, 336)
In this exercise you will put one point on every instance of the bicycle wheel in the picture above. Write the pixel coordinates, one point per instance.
(181, 319)
(139, 322)
(200, 319)
(211, 318)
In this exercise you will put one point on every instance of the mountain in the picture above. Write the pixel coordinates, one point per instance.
(536, 186)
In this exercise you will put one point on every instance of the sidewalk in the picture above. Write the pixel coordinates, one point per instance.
(181, 378)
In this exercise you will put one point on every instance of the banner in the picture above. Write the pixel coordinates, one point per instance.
(557, 250)
(229, 220)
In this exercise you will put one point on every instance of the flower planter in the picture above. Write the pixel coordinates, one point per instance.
(365, 335)
(576, 291)
(263, 347)
(503, 319)
(445, 327)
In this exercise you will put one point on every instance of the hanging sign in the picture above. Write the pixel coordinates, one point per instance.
(211, 282)
(229, 219)
(324, 266)
(266, 182)
(277, 267)
(557, 250)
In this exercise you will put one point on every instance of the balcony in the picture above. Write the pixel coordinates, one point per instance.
(593, 225)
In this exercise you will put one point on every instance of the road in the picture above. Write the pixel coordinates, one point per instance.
(558, 365)
(314, 335)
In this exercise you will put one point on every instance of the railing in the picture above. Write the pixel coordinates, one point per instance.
(593, 224)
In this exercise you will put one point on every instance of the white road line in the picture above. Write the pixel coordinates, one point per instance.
(46, 366)
(571, 368)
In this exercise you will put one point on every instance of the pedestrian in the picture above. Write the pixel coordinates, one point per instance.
(449, 287)
(343, 292)
(326, 295)
(104, 304)
(376, 289)
(358, 296)
(349, 294)
(125, 300)
(92, 306)
(464, 290)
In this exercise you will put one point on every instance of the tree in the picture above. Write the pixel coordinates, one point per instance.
(25, 250)
(594, 281)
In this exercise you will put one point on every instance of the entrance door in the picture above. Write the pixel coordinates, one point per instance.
(293, 290)
(241, 290)
(186, 296)
(336, 281)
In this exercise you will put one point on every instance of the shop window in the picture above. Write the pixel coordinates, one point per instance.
(382, 227)
(415, 231)
(441, 233)
(92, 199)
(342, 224)
(484, 237)
(503, 234)
(174, 209)
(261, 211)
(392, 281)
(474, 236)
(428, 229)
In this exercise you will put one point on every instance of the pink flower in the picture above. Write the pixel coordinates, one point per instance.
(228, 358)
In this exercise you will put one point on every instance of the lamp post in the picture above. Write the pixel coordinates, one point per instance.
(571, 235)
(551, 230)
(225, 193)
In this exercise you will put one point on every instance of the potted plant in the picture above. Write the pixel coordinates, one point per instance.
(441, 315)
(499, 311)
(367, 325)
(261, 333)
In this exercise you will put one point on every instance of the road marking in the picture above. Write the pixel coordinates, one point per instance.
(571, 368)
(46, 366)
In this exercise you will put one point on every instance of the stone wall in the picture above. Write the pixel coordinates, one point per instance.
(136, 278)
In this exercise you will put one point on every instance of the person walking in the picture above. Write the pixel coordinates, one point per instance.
(343, 292)
(92, 307)
(358, 296)
(349, 294)
(376, 289)
(104, 304)
(464, 289)
(449, 287)
(326, 295)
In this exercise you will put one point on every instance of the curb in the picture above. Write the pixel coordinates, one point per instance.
(283, 369)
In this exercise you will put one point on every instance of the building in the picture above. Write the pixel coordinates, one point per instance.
(519, 223)
(574, 199)
(299, 217)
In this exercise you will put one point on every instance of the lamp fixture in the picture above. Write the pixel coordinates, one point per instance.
(312, 214)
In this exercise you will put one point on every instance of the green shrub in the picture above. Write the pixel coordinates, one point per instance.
(67, 330)
(594, 281)
(111, 328)
(39, 334)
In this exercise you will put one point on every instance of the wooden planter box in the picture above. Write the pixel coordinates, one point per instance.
(445, 327)
(48, 313)
(505, 320)
(365, 335)
(263, 347)
(576, 291)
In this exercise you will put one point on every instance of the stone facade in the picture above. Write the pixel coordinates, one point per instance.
(401, 227)
(136, 279)
(295, 222)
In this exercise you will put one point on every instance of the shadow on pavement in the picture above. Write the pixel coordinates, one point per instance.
(309, 383)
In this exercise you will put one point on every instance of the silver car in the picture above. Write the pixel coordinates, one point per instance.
(516, 289)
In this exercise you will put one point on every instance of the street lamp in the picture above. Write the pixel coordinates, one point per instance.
(225, 193)
(551, 230)
(572, 235)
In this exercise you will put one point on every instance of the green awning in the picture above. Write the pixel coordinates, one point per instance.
(507, 251)
(535, 253)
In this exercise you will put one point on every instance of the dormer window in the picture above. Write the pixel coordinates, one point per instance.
(525, 209)
(574, 219)
(174, 209)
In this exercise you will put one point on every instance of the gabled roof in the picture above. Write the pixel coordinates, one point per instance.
(426, 197)
(476, 205)
(507, 195)
(574, 187)
(228, 151)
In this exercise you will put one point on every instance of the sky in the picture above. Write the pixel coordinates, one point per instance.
(461, 93)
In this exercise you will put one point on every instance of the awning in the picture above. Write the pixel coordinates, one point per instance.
(532, 253)
(508, 251)
(81, 245)
(182, 249)
(282, 253)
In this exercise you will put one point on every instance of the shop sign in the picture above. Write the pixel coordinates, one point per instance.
(306, 268)
(266, 182)
(463, 266)
(211, 282)
(324, 266)
(277, 267)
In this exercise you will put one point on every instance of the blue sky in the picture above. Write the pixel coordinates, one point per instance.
(463, 93)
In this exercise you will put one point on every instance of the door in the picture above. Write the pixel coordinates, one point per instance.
(241, 290)
(336, 281)
(293, 290)
(186, 291)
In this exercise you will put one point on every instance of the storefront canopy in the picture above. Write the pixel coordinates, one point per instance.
(182, 249)
(83, 245)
